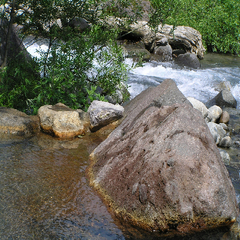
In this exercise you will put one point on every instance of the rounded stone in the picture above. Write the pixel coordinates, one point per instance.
(225, 117)
(199, 106)
(215, 112)
(188, 60)
(226, 142)
(225, 156)
(163, 53)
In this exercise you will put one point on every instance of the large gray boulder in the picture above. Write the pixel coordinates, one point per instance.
(16, 123)
(63, 122)
(160, 169)
(182, 38)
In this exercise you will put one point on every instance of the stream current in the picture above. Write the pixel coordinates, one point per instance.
(44, 192)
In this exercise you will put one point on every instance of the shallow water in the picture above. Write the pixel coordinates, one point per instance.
(44, 192)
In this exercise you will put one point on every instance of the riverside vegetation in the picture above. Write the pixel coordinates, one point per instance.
(79, 60)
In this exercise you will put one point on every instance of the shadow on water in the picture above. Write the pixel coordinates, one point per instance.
(44, 194)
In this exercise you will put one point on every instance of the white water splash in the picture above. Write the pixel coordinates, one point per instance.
(202, 84)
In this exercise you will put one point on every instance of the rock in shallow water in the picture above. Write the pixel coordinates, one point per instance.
(161, 170)
(62, 121)
(14, 122)
(103, 113)
(189, 60)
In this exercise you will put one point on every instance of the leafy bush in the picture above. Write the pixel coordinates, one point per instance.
(74, 68)
(17, 83)
(217, 20)
(76, 63)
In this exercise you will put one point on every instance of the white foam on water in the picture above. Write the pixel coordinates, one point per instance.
(236, 93)
(202, 84)
(34, 49)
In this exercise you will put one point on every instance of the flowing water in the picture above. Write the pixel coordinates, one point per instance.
(44, 192)
(202, 84)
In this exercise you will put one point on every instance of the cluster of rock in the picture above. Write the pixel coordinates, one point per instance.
(216, 120)
(181, 43)
(63, 122)
(161, 170)
(59, 120)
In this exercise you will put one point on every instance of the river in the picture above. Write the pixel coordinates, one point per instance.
(44, 192)
(202, 84)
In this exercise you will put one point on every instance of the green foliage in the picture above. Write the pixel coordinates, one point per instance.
(76, 63)
(18, 80)
(73, 69)
(93, 95)
(217, 20)
(162, 11)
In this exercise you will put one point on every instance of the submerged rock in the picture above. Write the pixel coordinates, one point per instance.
(160, 169)
(14, 122)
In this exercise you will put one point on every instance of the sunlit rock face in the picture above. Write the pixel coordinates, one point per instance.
(63, 122)
(16, 123)
(160, 169)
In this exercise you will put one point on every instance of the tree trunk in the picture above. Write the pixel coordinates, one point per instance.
(9, 32)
